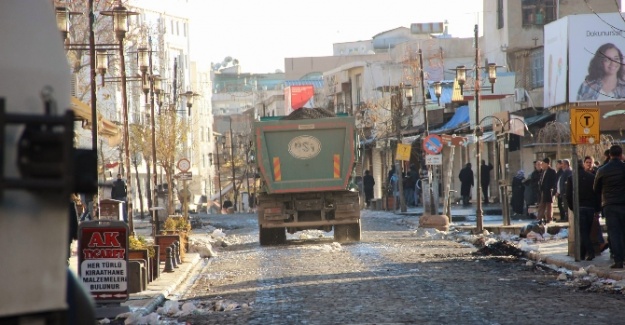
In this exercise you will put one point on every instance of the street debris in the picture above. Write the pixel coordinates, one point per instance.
(500, 248)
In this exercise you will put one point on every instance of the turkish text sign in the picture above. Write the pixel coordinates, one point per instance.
(103, 259)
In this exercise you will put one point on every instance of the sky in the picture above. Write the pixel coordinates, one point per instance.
(261, 33)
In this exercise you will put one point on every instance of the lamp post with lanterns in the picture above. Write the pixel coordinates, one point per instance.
(151, 85)
(461, 77)
(98, 51)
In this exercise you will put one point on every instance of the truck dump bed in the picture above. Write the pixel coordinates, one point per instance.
(309, 155)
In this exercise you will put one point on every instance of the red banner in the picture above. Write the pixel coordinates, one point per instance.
(298, 96)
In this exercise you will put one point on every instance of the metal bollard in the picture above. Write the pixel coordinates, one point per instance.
(168, 260)
(178, 248)
(174, 262)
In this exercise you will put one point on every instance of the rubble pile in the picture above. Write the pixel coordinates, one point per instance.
(500, 248)
(309, 113)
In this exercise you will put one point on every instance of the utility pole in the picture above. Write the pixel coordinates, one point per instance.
(433, 208)
(399, 108)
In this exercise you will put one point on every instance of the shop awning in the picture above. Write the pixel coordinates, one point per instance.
(106, 128)
(460, 117)
(544, 117)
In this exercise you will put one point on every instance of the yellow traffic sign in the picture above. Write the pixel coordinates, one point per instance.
(403, 151)
(584, 125)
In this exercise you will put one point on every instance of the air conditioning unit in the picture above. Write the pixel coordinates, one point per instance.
(519, 95)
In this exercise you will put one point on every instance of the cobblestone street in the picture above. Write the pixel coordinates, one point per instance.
(392, 276)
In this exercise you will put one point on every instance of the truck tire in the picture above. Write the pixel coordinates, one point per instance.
(271, 236)
(353, 232)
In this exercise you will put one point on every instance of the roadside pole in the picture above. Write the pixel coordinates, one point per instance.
(584, 123)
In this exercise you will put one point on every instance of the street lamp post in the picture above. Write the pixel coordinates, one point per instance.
(221, 203)
(461, 77)
(246, 146)
(234, 181)
(151, 84)
(120, 24)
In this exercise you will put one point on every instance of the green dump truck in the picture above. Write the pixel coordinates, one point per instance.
(306, 168)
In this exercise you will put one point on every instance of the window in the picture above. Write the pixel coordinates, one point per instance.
(499, 14)
(172, 26)
(184, 29)
(537, 67)
(177, 28)
(538, 12)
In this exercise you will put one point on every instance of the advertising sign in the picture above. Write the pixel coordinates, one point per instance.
(296, 97)
(555, 62)
(596, 45)
(103, 259)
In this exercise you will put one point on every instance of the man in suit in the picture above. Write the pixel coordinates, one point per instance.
(565, 172)
(547, 186)
(485, 179)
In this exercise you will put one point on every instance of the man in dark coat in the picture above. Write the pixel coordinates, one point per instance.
(485, 179)
(564, 173)
(610, 185)
(466, 181)
(119, 192)
(547, 186)
(367, 183)
(589, 206)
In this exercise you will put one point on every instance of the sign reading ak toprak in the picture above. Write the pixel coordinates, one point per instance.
(103, 259)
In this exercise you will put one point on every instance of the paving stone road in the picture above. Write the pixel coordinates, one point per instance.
(392, 277)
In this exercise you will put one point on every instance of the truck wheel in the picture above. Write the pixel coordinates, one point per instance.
(340, 233)
(353, 232)
(347, 233)
(271, 236)
(280, 235)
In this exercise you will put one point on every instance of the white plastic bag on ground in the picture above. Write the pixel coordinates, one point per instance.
(218, 233)
(204, 248)
(188, 308)
(171, 307)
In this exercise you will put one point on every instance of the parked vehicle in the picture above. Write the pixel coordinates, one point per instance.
(307, 167)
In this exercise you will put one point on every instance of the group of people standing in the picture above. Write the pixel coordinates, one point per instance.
(601, 193)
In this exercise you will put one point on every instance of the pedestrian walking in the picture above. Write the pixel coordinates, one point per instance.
(466, 183)
(485, 179)
(589, 208)
(518, 191)
(394, 185)
(410, 182)
(119, 192)
(368, 182)
(547, 187)
(610, 185)
(565, 173)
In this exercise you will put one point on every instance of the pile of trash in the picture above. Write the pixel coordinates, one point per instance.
(500, 248)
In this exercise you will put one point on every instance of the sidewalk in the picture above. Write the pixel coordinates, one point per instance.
(146, 302)
(550, 251)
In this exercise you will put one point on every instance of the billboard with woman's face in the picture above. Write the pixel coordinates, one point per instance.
(596, 45)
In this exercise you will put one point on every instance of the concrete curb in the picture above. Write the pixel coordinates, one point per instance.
(568, 263)
(158, 291)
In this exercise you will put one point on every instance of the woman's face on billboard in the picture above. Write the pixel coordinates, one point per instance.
(611, 61)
